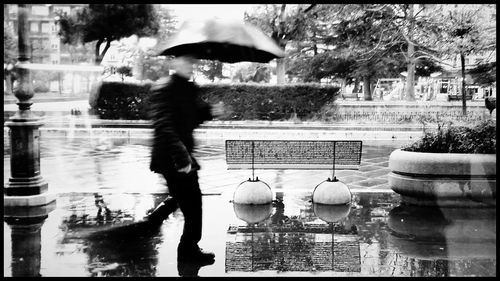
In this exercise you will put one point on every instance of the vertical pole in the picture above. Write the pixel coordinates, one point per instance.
(464, 105)
(253, 156)
(253, 229)
(333, 252)
(333, 161)
(26, 187)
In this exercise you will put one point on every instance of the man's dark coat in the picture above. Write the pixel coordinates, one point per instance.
(176, 110)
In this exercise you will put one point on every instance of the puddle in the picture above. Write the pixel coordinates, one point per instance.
(374, 236)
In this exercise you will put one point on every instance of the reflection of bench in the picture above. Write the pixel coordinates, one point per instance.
(293, 154)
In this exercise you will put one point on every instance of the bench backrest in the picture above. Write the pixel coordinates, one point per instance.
(293, 154)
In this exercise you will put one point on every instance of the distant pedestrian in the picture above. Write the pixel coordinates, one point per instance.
(177, 110)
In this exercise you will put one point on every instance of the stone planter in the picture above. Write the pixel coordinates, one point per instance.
(444, 179)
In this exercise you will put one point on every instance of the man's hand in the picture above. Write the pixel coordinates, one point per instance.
(185, 170)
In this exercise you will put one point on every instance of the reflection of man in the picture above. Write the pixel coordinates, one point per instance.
(176, 111)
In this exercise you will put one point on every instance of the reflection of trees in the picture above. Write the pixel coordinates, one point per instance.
(372, 230)
(280, 219)
(127, 252)
(288, 243)
(84, 217)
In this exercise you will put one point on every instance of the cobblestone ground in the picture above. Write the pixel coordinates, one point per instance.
(104, 188)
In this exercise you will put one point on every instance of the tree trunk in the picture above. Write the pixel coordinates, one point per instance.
(315, 46)
(280, 71)
(356, 86)
(410, 79)
(464, 106)
(98, 55)
(139, 66)
(97, 48)
(343, 81)
(60, 83)
(367, 94)
(8, 83)
(280, 63)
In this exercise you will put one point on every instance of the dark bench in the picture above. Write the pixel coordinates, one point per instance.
(293, 154)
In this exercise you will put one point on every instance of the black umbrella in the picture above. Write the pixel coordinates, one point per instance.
(225, 41)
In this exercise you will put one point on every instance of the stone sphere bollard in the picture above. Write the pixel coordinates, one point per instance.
(253, 192)
(253, 213)
(331, 213)
(331, 192)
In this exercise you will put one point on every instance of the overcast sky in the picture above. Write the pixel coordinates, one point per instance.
(203, 11)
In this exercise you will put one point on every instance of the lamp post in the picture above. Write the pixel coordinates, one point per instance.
(26, 187)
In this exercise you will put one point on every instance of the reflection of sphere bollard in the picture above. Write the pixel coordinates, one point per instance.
(253, 213)
(331, 192)
(253, 192)
(331, 213)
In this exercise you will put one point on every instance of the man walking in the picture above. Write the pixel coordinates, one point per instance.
(176, 111)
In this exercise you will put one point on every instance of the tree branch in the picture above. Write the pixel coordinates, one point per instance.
(430, 56)
(403, 52)
(309, 8)
(377, 9)
(97, 47)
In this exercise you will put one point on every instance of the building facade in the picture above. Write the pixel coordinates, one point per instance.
(45, 44)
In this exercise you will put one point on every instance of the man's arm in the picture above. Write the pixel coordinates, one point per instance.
(163, 108)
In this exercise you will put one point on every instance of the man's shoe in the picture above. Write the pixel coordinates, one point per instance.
(194, 255)
(191, 268)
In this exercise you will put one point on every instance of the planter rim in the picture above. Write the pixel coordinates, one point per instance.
(444, 164)
(447, 153)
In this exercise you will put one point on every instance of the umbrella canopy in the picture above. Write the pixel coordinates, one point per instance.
(225, 41)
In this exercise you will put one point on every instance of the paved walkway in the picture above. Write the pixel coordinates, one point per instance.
(122, 165)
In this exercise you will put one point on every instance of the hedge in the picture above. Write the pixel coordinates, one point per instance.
(269, 102)
(116, 100)
(242, 101)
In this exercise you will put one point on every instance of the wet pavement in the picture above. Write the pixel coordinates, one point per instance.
(122, 165)
(375, 236)
(104, 188)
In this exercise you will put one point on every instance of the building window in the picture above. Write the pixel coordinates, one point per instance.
(45, 27)
(34, 27)
(13, 10)
(40, 10)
